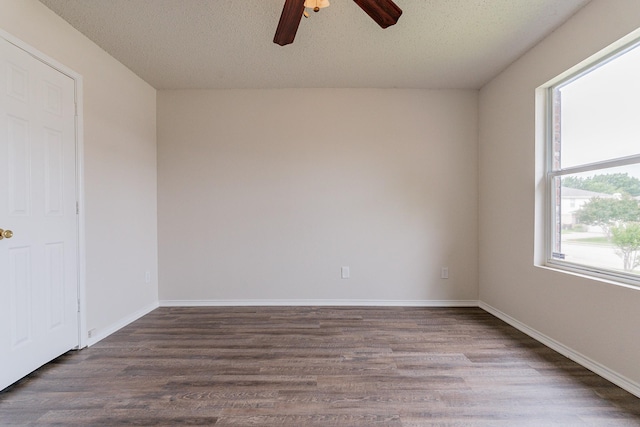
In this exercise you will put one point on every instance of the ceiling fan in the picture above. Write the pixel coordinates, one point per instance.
(384, 12)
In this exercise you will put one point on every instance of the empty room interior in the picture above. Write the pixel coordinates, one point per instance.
(348, 225)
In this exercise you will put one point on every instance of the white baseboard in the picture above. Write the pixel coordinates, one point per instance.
(606, 373)
(318, 302)
(102, 333)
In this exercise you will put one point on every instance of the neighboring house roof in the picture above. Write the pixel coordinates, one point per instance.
(575, 193)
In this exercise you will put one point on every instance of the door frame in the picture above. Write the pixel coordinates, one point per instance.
(79, 173)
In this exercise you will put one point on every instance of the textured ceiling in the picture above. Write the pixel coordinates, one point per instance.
(212, 44)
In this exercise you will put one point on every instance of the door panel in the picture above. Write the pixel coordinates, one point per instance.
(20, 284)
(53, 172)
(38, 265)
(18, 165)
(54, 286)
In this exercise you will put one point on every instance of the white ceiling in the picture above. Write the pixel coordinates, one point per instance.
(213, 44)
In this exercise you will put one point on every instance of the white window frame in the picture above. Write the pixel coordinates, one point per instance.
(550, 174)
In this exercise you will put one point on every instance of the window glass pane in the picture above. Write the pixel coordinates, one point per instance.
(597, 219)
(599, 113)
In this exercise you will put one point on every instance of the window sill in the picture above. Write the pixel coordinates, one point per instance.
(591, 275)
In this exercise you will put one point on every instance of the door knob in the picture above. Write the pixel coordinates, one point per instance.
(5, 234)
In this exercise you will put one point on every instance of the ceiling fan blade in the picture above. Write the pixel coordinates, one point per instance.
(289, 21)
(384, 12)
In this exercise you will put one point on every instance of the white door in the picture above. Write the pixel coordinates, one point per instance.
(39, 263)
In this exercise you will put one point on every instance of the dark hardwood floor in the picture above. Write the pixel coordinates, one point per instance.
(317, 366)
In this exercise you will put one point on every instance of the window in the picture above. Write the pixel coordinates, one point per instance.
(593, 168)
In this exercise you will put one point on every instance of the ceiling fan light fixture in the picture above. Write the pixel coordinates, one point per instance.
(316, 5)
(384, 12)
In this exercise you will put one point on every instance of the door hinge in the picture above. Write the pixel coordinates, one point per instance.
(78, 305)
(77, 208)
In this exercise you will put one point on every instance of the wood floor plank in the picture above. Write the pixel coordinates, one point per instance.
(317, 366)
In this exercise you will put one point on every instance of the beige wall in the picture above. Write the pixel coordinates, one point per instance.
(595, 319)
(119, 161)
(265, 194)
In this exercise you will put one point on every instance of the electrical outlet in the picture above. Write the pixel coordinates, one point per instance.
(91, 333)
(444, 273)
(345, 273)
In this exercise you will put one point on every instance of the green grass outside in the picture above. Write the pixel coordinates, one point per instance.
(598, 240)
